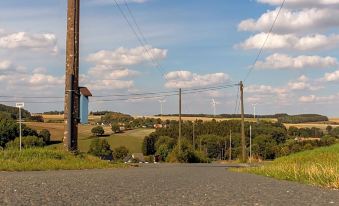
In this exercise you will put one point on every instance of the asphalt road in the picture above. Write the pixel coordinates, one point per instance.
(156, 185)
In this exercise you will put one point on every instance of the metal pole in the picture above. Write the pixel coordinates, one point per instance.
(243, 140)
(179, 141)
(71, 110)
(20, 128)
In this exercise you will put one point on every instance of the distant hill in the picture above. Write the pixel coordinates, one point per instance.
(12, 112)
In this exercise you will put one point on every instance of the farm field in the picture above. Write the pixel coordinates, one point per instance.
(131, 139)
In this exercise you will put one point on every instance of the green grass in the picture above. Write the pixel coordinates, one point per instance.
(41, 159)
(318, 167)
(132, 140)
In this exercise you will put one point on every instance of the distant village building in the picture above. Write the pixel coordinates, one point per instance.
(84, 101)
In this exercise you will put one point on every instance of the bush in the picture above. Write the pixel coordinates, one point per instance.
(45, 135)
(116, 128)
(101, 149)
(26, 142)
(164, 145)
(98, 131)
(120, 153)
(186, 154)
(148, 145)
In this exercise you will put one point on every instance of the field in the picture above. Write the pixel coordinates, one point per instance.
(131, 139)
(316, 167)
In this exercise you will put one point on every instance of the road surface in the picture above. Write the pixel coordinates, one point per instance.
(156, 185)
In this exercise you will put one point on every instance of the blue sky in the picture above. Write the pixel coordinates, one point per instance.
(198, 43)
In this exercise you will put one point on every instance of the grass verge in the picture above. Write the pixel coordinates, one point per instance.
(319, 167)
(41, 159)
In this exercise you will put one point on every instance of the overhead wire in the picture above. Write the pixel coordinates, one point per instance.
(264, 43)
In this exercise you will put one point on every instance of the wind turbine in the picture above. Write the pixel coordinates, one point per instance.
(214, 105)
(162, 101)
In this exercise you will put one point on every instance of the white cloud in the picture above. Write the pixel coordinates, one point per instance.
(302, 83)
(187, 79)
(127, 57)
(4, 65)
(103, 2)
(291, 42)
(282, 61)
(293, 21)
(302, 3)
(109, 72)
(31, 41)
(330, 77)
(318, 99)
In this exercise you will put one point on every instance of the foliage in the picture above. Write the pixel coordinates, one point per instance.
(302, 118)
(264, 147)
(120, 153)
(100, 148)
(36, 118)
(115, 117)
(26, 142)
(335, 132)
(164, 145)
(54, 112)
(40, 159)
(45, 135)
(14, 112)
(213, 145)
(116, 128)
(98, 131)
(9, 130)
(148, 145)
(186, 154)
(316, 167)
(305, 132)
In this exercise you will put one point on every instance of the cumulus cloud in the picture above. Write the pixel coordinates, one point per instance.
(331, 77)
(291, 42)
(302, 3)
(187, 79)
(127, 57)
(303, 83)
(293, 21)
(30, 41)
(282, 61)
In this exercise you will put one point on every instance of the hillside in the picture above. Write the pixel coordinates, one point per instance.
(316, 167)
(12, 112)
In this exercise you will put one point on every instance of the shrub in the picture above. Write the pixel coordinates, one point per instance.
(100, 148)
(116, 128)
(26, 142)
(186, 154)
(120, 153)
(45, 135)
(98, 131)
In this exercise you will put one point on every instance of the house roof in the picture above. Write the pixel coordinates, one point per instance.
(84, 91)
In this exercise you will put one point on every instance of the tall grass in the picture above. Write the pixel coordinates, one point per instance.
(37, 159)
(315, 167)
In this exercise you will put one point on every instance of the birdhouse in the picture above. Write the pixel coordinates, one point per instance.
(84, 102)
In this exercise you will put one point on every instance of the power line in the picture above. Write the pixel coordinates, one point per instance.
(263, 46)
(140, 40)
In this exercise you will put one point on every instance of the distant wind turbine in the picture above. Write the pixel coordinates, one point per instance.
(162, 101)
(214, 105)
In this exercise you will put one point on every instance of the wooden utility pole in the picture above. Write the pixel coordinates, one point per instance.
(243, 140)
(179, 140)
(71, 110)
(230, 155)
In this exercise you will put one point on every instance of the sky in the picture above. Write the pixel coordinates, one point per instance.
(187, 44)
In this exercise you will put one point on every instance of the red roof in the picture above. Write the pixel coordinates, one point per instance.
(84, 91)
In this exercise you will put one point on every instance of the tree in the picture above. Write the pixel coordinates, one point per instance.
(164, 145)
(116, 128)
(186, 154)
(120, 153)
(101, 149)
(264, 146)
(98, 131)
(329, 129)
(9, 130)
(148, 145)
(45, 135)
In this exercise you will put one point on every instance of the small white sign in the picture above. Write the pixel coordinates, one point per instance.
(20, 105)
